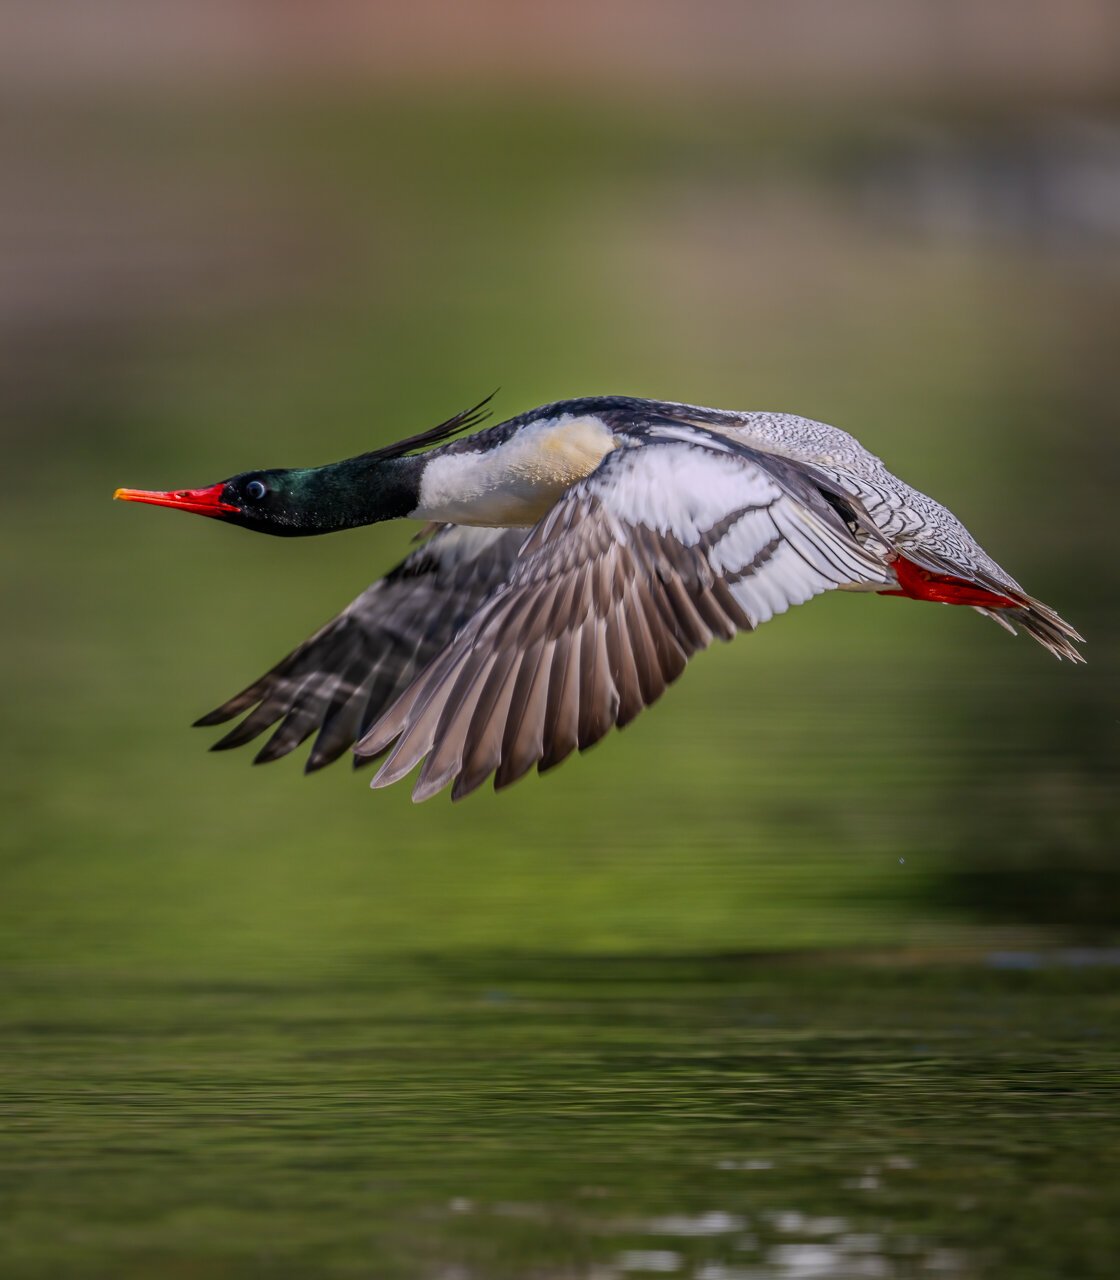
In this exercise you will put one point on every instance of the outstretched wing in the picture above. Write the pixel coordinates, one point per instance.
(662, 548)
(341, 679)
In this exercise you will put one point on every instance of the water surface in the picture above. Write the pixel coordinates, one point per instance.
(552, 1115)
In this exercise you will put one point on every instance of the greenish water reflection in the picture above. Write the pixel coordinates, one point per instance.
(570, 1116)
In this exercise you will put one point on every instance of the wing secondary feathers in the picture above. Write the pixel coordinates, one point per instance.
(662, 549)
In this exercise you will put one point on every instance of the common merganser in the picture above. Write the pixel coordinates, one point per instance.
(578, 556)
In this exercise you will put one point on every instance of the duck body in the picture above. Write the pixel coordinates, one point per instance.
(584, 552)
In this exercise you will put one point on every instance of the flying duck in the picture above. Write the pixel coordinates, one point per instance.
(576, 557)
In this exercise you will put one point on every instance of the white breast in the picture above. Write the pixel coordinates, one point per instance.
(516, 482)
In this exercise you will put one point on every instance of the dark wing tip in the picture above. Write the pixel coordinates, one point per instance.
(218, 716)
(248, 697)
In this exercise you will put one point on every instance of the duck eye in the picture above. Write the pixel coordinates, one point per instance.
(255, 490)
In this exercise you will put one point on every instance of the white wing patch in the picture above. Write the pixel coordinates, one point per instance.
(665, 547)
(681, 487)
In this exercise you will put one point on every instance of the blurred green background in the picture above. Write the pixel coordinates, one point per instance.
(256, 1023)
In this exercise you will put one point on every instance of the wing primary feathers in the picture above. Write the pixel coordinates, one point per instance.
(344, 677)
(341, 720)
(297, 726)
